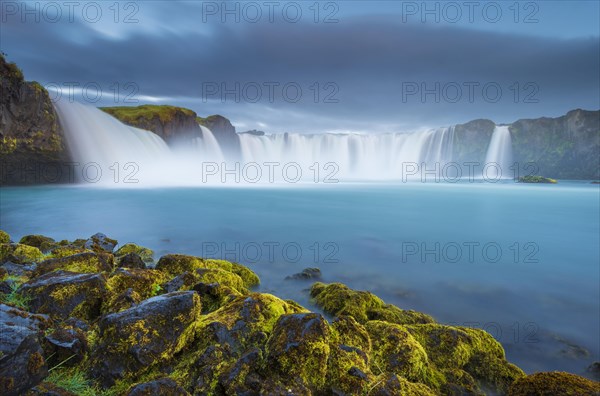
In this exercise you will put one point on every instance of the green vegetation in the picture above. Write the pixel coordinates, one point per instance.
(15, 298)
(134, 115)
(536, 179)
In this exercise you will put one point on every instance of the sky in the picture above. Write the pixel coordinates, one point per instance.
(313, 67)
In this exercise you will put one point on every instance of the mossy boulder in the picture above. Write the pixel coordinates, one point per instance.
(396, 351)
(19, 253)
(65, 345)
(162, 386)
(471, 359)
(67, 250)
(133, 340)
(4, 237)
(389, 384)
(100, 243)
(176, 264)
(44, 243)
(131, 260)
(536, 179)
(87, 262)
(554, 384)
(338, 299)
(22, 363)
(62, 294)
(298, 349)
(147, 255)
(140, 284)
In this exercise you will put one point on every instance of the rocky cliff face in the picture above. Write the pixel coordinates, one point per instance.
(169, 122)
(31, 143)
(224, 133)
(566, 147)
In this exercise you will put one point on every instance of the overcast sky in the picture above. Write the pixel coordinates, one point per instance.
(358, 66)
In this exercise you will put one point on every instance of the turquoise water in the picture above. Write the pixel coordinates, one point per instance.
(521, 261)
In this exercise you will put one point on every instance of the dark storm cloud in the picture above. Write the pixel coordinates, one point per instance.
(370, 60)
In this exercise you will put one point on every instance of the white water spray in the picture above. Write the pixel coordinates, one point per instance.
(499, 153)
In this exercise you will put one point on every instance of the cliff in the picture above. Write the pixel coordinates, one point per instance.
(31, 143)
(224, 133)
(169, 122)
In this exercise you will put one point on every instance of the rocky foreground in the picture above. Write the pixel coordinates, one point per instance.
(86, 318)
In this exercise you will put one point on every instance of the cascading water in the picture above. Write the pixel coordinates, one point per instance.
(95, 137)
(499, 154)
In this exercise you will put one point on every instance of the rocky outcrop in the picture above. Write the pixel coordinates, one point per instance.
(193, 326)
(171, 123)
(471, 141)
(31, 142)
(562, 148)
(224, 132)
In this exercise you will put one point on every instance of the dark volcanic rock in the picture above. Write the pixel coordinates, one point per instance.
(62, 294)
(67, 346)
(144, 335)
(131, 260)
(159, 387)
(31, 142)
(471, 141)
(224, 132)
(306, 273)
(100, 243)
(22, 364)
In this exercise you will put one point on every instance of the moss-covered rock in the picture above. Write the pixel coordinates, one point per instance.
(19, 253)
(474, 351)
(555, 384)
(162, 386)
(176, 264)
(4, 237)
(100, 243)
(138, 284)
(62, 294)
(87, 262)
(66, 345)
(536, 179)
(396, 351)
(66, 250)
(147, 255)
(298, 349)
(44, 243)
(338, 299)
(393, 385)
(134, 340)
(131, 260)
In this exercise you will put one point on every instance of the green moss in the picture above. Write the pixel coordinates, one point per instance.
(338, 299)
(4, 237)
(135, 115)
(396, 351)
(20, 254)
(15, 298)
(87, 262)
(146, 254)
(41, 242)
(536, 179)
(72, 379)
(176, 264)
(391, 384)
(144, 283)
(8, 145)
(65, 251)
(554, 383)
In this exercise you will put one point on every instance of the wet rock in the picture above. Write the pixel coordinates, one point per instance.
(142, 336)
(299, 348)
(147, 255)
(594, 370)
(555, 384)
(338, 299)
(100, 243)
(131, 260)
(19, 253)
(214, 295)
(45, 244)
(67, 346)
(62, 294)
(22, 364)
(87, 262)
(159, 387)
(18, 270)
(306, 274)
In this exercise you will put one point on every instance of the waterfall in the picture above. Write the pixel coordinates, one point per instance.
(95, 137)
(499, 153)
